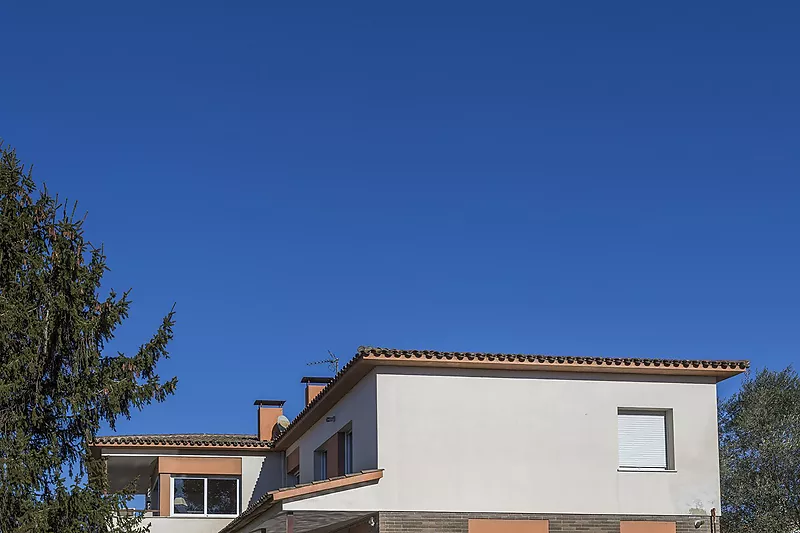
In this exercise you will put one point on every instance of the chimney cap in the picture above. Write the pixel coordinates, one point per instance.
(308, 379)
(272, 403)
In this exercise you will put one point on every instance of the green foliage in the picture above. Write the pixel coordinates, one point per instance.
(760, 455)
(57, 386)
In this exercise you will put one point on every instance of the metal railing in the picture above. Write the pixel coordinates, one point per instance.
(145, 513)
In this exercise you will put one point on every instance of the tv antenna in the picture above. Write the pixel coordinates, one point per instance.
(332, 362)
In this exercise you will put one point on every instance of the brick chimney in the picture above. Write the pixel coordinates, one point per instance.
(314, 386)
(268, 413)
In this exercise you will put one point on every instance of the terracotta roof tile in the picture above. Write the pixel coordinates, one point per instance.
(530, 361)
(389, 353)
(267, 500)
(186, 439)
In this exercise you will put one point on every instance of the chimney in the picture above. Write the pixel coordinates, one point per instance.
(314, 386)
(268, 413)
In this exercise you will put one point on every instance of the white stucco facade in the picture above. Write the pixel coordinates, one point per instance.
(527, 442)
(171, 524)
(357, 409)
(261, 472)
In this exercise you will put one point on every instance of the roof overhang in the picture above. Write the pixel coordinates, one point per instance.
(369, 358)
(279, 521)
(130, 471)
(268, 513)
(183, 448)
(182, 443)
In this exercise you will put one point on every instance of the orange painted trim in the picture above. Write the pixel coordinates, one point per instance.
(227, 466)
(508, 526)
(164, 490)
(322, 486)
(633, 526)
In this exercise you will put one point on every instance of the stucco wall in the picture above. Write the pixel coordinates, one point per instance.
(187, 525)
(358, 408)
(261, 475)
(543, 442)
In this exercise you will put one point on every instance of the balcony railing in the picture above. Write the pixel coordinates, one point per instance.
(145, 513)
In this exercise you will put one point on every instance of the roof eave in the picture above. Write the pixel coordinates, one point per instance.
(367, 359)
(305, 490)
(613, 367)
(177, 446)
(351, 374)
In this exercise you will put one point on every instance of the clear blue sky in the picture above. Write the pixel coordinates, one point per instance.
(589, 178)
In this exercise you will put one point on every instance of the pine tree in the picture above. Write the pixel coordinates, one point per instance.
(57, 383)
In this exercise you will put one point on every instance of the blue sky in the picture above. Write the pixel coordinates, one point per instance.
(615, 179)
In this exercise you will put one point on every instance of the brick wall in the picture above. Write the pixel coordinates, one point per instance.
(417, 522)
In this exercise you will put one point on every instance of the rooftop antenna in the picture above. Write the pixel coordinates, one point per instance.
(332, 362)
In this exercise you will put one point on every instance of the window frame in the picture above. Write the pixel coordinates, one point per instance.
(320, 465)
(669, 435)
(348, 451)
(205, 479)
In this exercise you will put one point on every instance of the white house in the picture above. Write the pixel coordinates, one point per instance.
(424, 441)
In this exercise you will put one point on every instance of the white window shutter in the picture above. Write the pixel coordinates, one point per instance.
(643, 440)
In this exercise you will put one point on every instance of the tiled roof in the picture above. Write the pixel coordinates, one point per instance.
(370, 355)
(186, 439)
(523, 361)
(611, 362)
(303, 489)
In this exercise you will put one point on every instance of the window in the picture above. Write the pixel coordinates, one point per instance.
(189, 496)
(645, 439)
(348, 452)
(320, 465)
(205, 496)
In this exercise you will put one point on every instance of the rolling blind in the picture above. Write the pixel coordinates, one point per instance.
(642, 440)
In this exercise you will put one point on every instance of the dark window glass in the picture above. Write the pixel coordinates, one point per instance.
(348, 452)
(222, 496)
(189, 497)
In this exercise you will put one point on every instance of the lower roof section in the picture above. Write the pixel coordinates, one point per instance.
(269, 508)
(309, 521)
(214, 441)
